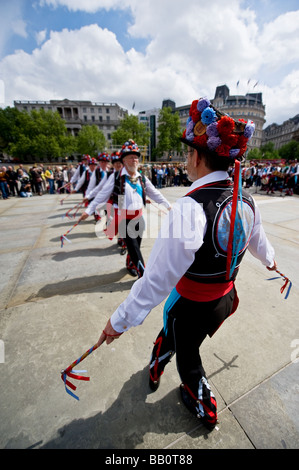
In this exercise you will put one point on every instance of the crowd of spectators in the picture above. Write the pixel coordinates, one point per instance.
(39, 180)
(36, 180)
(269, 177)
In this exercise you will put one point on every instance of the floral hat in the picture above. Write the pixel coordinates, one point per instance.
(129, 147)
(103, 157)
(115, 157)
(85, 157)
(210, 129)
(93, 161)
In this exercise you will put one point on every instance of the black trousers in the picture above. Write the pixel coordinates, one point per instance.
(186, 325)
(131, 232)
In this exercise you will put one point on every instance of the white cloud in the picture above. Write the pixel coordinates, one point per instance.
(41, 36)
(191, 50)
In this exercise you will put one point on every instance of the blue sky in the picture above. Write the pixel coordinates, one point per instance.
(143, 51)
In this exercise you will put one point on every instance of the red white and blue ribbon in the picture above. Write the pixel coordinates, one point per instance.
(287, 281)
(236, 225)
(74, 374)
(63, 237)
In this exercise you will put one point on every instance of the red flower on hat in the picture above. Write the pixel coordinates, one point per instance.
(225, 125)
(242, 141)
(193, 107)
(184, 134)
(230, 139)
(193, 112)
(201, 140)
(223, 150)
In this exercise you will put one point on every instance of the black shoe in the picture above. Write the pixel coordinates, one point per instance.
(154, 384)
(132, 272)
(191, 405)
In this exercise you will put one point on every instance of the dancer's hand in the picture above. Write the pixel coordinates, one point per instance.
(108, 334)
(83, 216)
(274, 267)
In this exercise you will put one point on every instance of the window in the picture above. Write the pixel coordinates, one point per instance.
(85, 118)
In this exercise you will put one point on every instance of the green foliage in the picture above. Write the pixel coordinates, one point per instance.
(169, 130)
(38, 135)
(131, 128)
(254, 154)
(90, 141)
(290, 151)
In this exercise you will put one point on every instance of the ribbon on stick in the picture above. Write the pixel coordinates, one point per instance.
(74, 374)
(63, 237)
(77, 207)
(287, 281)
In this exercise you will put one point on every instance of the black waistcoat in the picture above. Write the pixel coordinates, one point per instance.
(210, 261)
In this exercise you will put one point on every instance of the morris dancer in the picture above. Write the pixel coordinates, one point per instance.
(83, 182)
(196, 257)
(128, 189)
(83, 165)
(97, 181)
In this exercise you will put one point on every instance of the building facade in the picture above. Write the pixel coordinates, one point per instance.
(106, 116)
(283, 133)
(247, 107)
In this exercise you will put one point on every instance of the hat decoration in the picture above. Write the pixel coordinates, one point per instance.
(93, 161)
(103, 157)
(210, 129)
(85, 157)
(129, 147)
(115, 157)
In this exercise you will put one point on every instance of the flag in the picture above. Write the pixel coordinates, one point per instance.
(133, 105)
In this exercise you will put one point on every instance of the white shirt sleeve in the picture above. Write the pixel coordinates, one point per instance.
(94, 189)
(76, 175)
(173, 252)
(259, 245)
(91, 184)
(102, 197)
(80, 181)
(154, 194)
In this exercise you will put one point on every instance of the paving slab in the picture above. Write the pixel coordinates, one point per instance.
(55, 301)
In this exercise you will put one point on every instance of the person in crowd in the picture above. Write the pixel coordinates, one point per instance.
(3, 183)
(49, 175)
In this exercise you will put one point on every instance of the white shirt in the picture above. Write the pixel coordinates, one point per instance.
(174, 252)
(132, 200)
(76, 175)
(81, 180)
(93, 188)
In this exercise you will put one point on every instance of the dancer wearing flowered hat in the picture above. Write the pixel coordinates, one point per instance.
(84, 180)
(128, 189)
(196, 257)
(98, 177)
(83, 165)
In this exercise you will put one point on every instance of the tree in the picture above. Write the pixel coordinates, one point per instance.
(290, 151)
(90, 141)
(254, 154)
(131, 128)
(269, 152)
(169, 130)
(38, 135)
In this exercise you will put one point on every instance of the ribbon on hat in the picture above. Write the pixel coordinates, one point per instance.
(236, 223)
